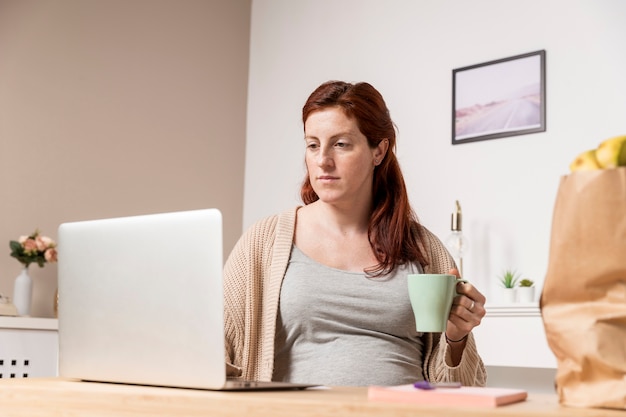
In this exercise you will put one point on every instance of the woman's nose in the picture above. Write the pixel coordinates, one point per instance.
(324, 158)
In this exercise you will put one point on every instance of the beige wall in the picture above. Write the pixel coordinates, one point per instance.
(114, 108)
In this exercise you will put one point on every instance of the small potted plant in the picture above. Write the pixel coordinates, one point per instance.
(526, 291)
(508, 279)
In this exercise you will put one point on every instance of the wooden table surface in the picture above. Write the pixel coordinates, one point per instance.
(35, 397)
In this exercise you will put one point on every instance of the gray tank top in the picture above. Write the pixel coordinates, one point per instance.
(341, 328)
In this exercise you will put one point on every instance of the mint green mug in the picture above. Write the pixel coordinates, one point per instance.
(431, 298)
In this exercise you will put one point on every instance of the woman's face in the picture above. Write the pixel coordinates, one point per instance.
(339, 161)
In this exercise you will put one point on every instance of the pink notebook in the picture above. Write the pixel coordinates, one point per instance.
(463, 396)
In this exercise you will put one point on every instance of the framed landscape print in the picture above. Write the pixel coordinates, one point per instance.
(500, 98)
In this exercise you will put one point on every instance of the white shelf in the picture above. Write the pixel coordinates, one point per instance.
(513, 310)
(30, 323)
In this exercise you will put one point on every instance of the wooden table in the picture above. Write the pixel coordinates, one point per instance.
(34, 397)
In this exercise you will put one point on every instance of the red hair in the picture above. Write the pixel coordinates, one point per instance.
(392, 230)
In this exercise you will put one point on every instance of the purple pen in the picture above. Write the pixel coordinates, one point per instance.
(433, 385)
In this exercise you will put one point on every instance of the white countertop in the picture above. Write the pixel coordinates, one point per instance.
(32, 323)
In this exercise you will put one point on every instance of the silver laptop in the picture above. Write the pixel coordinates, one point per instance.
(141, 302)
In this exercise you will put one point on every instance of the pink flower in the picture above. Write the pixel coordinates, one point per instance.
(41, 246)
(43, 243)
(30, 246)
(50, 255)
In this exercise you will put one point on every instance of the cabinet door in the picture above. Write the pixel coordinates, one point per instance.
(28, 353)
(513, 336)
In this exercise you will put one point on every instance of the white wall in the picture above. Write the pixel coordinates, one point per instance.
(408, 49)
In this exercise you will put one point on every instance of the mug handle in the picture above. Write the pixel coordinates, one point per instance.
(464, 281)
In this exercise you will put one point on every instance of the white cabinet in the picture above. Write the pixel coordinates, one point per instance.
(512, 343)
(513, 335)
(28, 347)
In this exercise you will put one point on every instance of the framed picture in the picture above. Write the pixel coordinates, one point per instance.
(501, 98)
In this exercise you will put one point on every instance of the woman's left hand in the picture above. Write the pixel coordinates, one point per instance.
(468, 309)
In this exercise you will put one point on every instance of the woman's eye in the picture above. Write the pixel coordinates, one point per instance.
(311, 145)
(341, 144)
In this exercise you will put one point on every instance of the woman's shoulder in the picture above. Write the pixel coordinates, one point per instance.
(439, 259)
(266, 235)
(425, 234)
(268, 225)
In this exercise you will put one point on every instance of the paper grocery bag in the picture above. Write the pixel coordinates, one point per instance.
(583, 302)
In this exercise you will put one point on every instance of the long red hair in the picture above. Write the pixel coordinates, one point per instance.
(392, 230)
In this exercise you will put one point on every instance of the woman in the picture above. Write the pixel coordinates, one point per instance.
(318, 293)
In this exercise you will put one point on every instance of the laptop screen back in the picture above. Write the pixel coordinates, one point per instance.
(140, 300)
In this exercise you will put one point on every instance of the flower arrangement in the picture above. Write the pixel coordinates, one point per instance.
(34, 248)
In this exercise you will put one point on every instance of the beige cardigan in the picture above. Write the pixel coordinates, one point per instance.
(253, 276)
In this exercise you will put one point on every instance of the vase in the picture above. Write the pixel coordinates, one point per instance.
(23, 292)
(525, 294)
(507, 295)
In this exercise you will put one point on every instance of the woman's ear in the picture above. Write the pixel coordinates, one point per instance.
(380, 151)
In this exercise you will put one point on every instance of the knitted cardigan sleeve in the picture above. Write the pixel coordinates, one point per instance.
(243, 289)
(253, 275)
(470, 371)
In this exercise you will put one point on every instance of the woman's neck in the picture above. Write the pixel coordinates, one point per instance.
(346, 220)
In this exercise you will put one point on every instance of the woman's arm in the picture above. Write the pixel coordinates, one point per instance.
(470, 371)
(443, 360)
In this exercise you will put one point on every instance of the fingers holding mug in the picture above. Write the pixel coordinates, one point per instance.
(469, 304)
